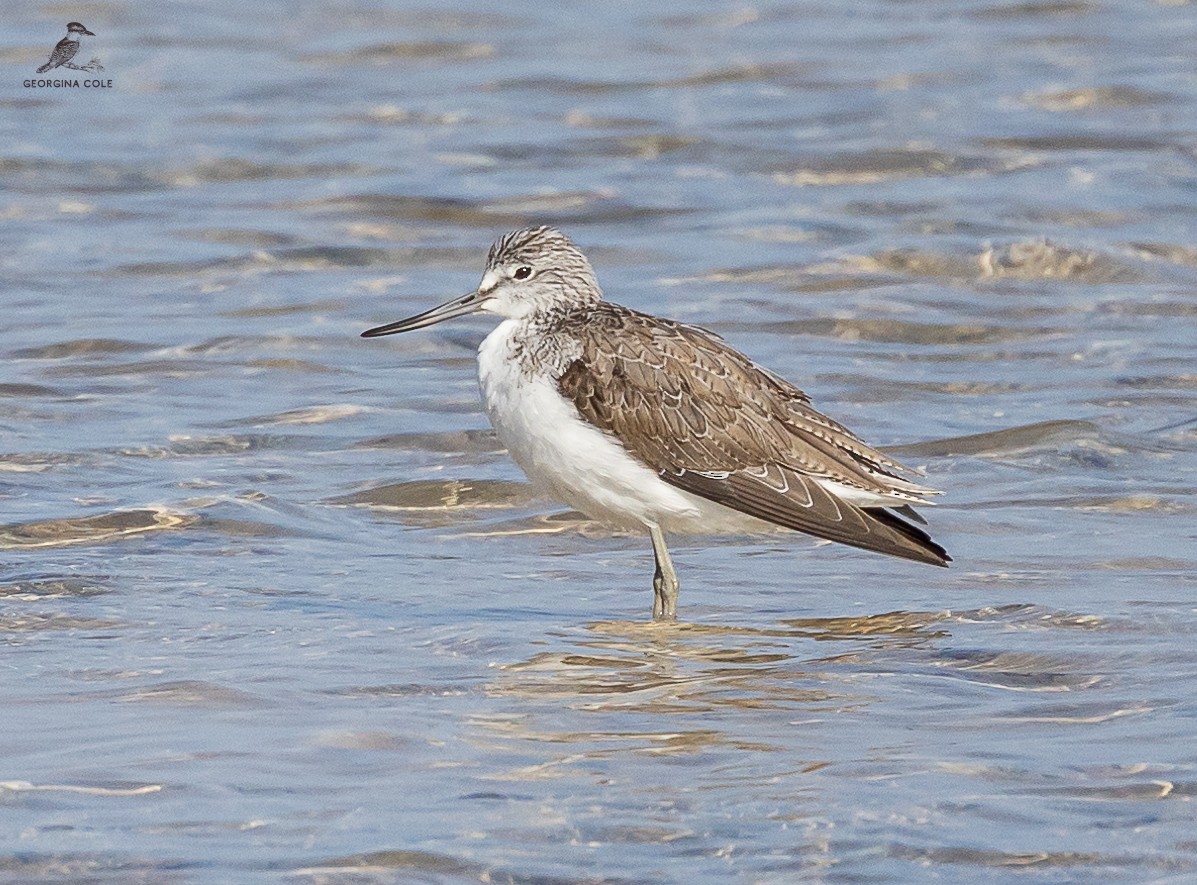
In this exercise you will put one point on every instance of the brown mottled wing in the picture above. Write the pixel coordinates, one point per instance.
(714, 424)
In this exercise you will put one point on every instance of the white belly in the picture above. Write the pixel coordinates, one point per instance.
(576, 462)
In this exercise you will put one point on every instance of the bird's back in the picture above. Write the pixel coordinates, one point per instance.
(63, 53)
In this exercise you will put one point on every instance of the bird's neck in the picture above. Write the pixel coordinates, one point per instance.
(552, 316)
(540, 341)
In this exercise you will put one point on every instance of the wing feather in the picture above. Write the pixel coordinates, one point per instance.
(714, 424)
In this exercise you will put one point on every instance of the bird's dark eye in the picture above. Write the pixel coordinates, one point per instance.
(522, 273)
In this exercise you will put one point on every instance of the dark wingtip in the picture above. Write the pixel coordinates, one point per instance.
(926, 550)
(910, 513)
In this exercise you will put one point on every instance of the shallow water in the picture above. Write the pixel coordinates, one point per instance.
(276, 606)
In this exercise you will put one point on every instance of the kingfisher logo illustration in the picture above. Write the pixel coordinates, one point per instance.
(67, 48)
(63, 58)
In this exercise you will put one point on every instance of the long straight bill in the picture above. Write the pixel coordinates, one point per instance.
(458, 307)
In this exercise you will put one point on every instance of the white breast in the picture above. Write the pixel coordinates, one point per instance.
(576, 462)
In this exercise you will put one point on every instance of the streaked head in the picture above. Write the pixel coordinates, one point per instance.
(528, 271)
(76, 28)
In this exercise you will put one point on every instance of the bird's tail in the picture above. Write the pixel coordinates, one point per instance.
(44, 68)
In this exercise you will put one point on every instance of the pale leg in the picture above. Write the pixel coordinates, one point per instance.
(665, 585)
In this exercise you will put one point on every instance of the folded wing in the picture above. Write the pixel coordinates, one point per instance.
(711, 422)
